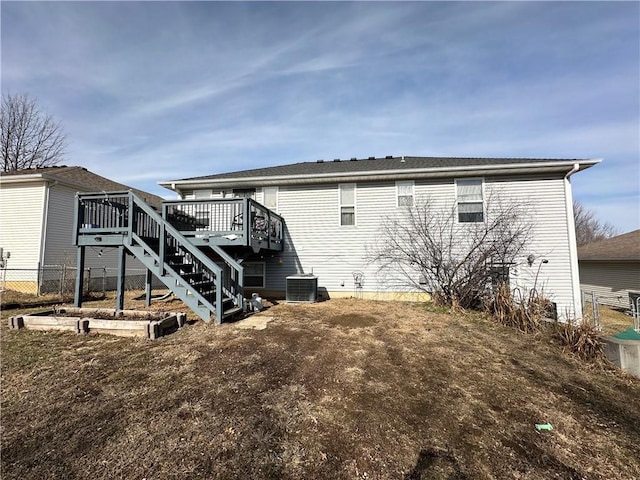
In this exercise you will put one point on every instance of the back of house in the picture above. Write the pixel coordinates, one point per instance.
(334, 213)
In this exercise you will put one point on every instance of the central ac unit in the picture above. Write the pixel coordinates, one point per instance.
(302, 288)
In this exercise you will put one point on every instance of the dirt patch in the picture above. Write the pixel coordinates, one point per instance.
(253, 322)
(387, 391)
(352, 320)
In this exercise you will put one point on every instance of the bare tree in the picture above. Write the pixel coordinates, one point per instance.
(30, 138)
(426, 248)
(588, 228)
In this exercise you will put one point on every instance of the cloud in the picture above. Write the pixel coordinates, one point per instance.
(180, 89)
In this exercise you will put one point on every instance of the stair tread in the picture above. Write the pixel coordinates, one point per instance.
(195, 288)
(231, 311)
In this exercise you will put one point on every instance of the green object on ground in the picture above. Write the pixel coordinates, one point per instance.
(544, 426)
(629, 334)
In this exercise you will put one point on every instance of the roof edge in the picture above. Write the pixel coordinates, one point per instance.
(560, 165)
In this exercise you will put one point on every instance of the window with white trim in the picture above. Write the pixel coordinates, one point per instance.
(244, 193)
(469, 200)
(202, 194)
(254, 274)
(347, 204)
(270, 198)
(404, 194)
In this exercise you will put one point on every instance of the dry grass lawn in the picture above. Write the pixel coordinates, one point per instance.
(345, 389)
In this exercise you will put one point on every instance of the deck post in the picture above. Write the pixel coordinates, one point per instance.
(122, 264)
(147, 297)
(246, 221)
(77, 298)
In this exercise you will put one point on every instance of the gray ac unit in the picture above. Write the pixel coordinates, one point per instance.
(302, 288)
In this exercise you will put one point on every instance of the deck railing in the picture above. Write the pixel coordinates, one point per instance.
(125, 216)
(121, 218)
(226, 219)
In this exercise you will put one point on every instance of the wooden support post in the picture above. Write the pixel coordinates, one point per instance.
(122, 265)
(77, 299)
(147, 297)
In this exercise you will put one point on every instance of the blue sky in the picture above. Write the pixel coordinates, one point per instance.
(155, 91)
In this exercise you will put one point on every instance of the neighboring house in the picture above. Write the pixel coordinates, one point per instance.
(333, 210)
(36, 222)
(611, 268)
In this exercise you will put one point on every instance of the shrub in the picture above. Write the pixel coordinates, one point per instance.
(583, 339)
(523, 313)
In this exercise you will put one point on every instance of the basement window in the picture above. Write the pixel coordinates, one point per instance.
(469, 200)
(254, 274)
(499, 273)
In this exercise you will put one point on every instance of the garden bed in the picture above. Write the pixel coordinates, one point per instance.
(124, 323)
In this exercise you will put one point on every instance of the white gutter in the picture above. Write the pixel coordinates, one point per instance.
(372, 174)
(39, 176)
(573, 247)
(20, 178)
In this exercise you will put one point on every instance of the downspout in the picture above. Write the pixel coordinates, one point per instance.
(573, 247)
(43, 231)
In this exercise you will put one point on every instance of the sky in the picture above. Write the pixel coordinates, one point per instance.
(156, 91)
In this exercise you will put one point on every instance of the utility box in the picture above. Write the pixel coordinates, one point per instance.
(302, 288)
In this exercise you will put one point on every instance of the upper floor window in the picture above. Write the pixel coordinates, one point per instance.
(348, 204)
(404, 194)
(469, 200)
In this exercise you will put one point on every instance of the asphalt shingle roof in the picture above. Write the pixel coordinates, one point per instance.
(83, 178)
(625, 247)
(374, 165)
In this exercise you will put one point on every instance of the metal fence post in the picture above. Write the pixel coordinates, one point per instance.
(62, 279)
(38, 279)
(594, 306)
(104, 281)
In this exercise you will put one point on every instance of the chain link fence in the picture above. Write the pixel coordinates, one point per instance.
(61, 280)
(591, 303)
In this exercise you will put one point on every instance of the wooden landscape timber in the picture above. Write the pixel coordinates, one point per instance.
(123, 323)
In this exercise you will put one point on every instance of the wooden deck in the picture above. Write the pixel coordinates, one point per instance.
(103, 219)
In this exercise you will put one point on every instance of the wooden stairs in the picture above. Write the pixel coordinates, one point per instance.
(181, 260)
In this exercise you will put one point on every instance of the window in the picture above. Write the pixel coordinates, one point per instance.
(499, 273)
(404, 194)
(469, 198)
(244, 193)
(254, 275)
(201, 194)
(348, 204)
(270, 198)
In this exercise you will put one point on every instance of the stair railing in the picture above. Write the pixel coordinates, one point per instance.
(146, 220)
(126, 214)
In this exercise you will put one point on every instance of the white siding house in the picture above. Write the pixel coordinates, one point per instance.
(36, 223)
(334, 210)
(610, 269)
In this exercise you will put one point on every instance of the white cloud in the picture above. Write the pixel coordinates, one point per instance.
(178, 89)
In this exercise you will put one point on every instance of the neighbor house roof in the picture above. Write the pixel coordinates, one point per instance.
(75, 177)
(378, 168)
(625, 247)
